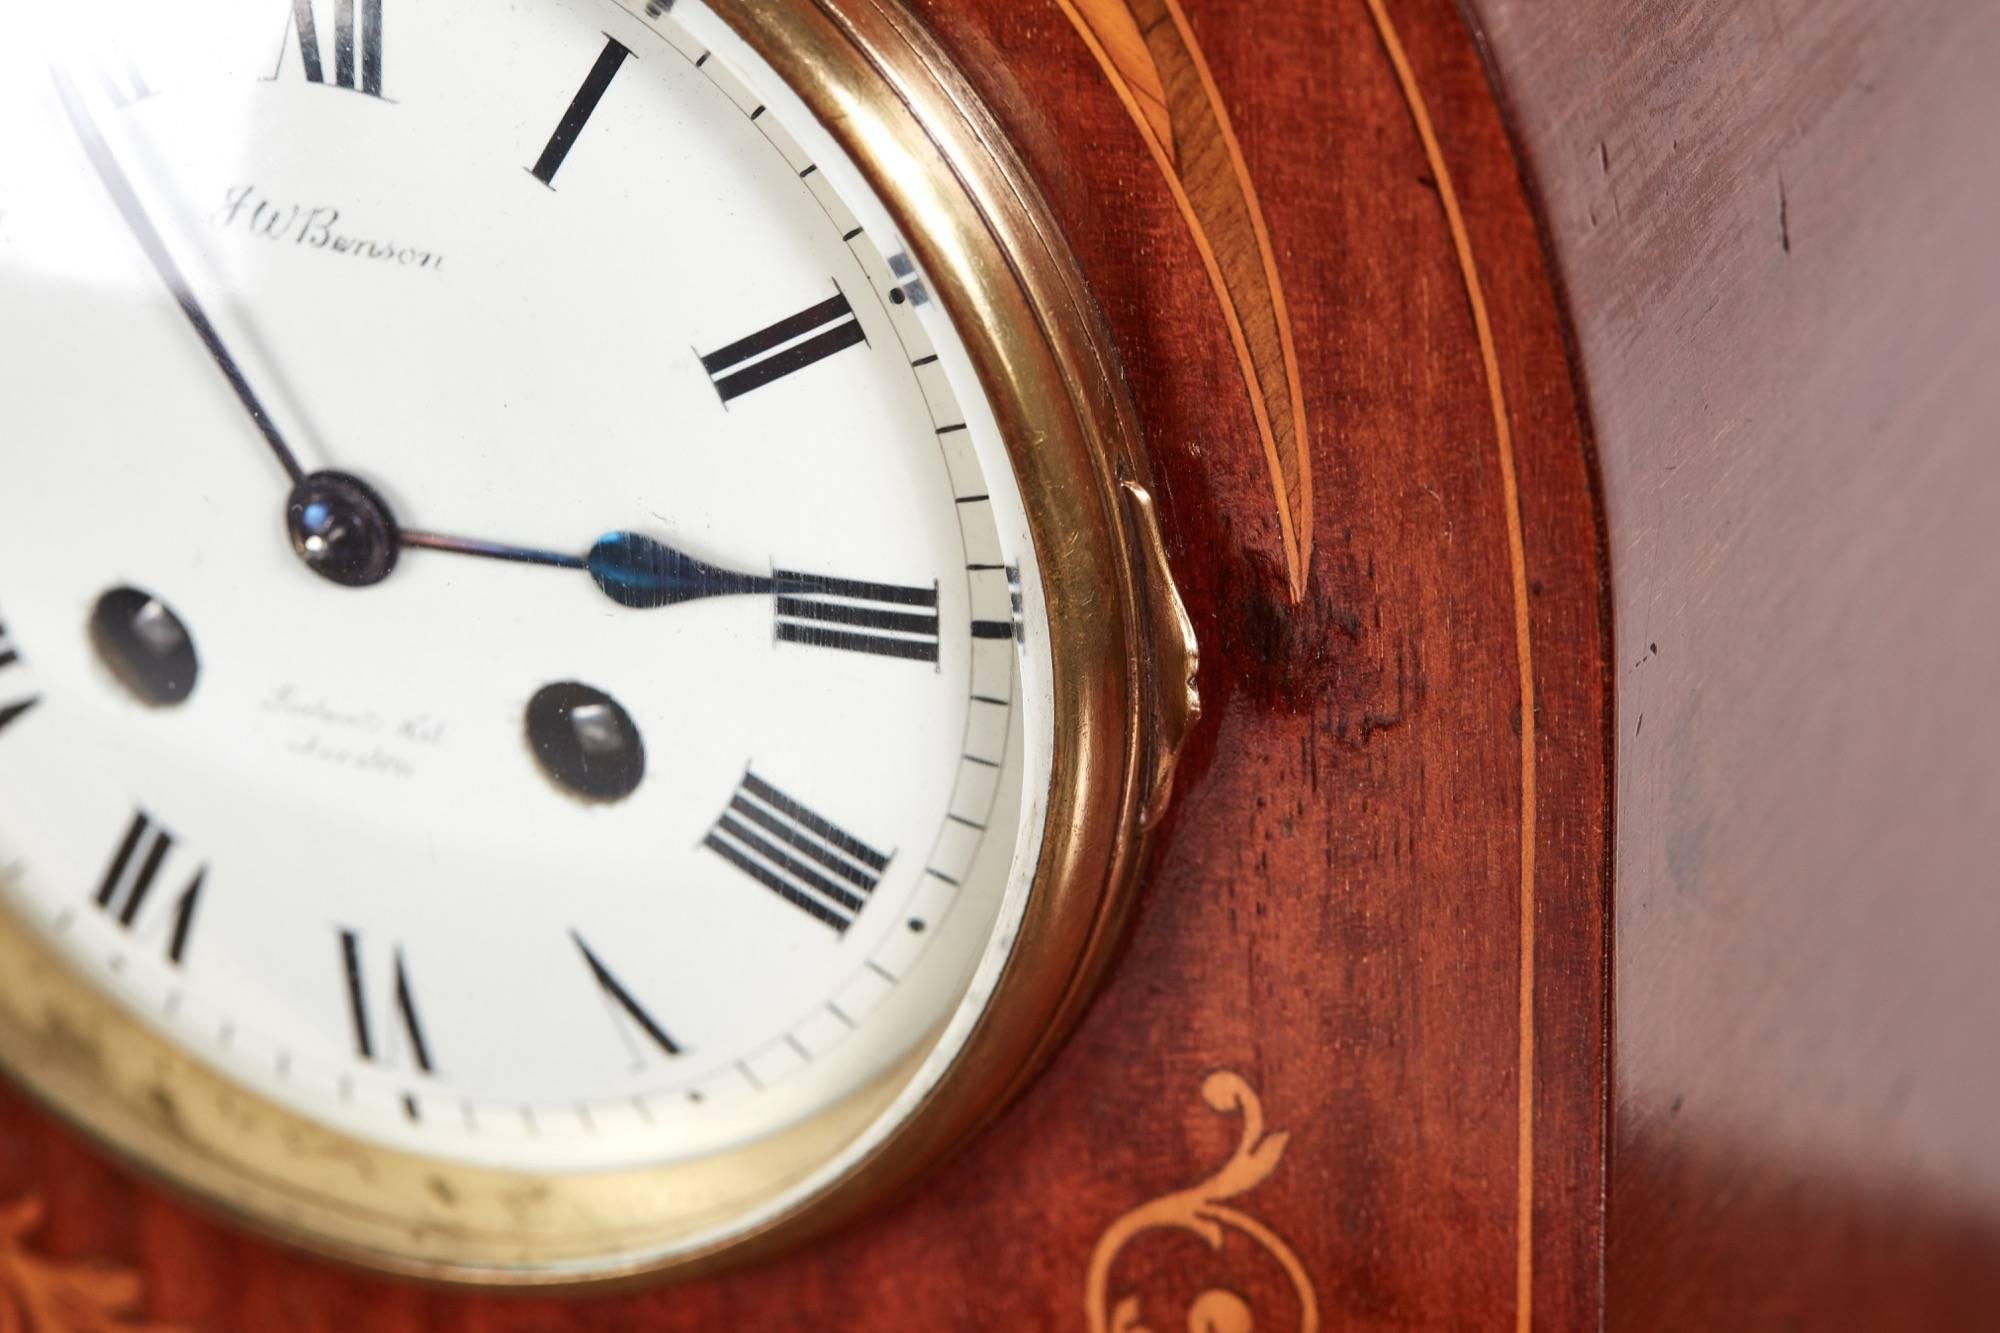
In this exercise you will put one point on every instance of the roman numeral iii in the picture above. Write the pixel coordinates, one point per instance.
(128, 883)
(791, 344)
(798, 854)
(880, 618)
(357, 43)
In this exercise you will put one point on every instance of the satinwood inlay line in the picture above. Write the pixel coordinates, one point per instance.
(1517, 559)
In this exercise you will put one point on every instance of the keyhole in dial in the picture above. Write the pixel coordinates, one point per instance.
(145, 646)
(585, 742)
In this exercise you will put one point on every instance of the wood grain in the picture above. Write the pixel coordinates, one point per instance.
(1773, 226)
(1524, 655)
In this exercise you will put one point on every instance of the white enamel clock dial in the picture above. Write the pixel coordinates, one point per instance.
(514, 635)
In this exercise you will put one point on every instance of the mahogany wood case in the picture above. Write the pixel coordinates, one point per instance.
(1574, 427)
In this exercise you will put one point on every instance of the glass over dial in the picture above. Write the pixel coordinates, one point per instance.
(514, 634)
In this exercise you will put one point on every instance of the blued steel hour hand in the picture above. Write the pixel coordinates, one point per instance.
(631, 569)
(884, 619)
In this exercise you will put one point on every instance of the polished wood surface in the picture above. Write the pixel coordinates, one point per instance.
(1357, 1066)
(1773, 226)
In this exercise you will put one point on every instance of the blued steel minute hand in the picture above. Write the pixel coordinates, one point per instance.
(119, 184)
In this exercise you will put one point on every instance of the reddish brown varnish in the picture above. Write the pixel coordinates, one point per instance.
(1771, 256)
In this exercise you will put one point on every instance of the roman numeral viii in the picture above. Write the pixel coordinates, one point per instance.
(793, 343)
(357, 39)
(11, 710)
(380, 1043)
(800, 855)
(879, 618)
(128, 883)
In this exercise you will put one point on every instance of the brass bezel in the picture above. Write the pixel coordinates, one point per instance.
(1124, 700)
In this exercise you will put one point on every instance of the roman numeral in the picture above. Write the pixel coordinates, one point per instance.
(803, 857)
(615, 991)
(13, 709)
(10, 712)
(352, 33)
(129, 880)
(793, 343)
(379, 1047)
(879, 618)
(125, 86)
(586, 100)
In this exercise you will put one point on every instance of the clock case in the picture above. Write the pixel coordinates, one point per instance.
(1124, 699)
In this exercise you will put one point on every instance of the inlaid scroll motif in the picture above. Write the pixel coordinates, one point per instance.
(42, 1295)
(1204, 1211)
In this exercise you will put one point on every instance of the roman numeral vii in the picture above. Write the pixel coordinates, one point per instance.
(129, 880)
(357, 42)
(798, 854)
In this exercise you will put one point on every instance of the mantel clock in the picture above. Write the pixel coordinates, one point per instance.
(588, 647)
(600, 716)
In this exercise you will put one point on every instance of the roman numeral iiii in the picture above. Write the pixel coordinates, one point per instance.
(791, 344)
(798, 854)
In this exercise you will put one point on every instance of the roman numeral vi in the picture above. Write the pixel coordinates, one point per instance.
(378, 1045)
